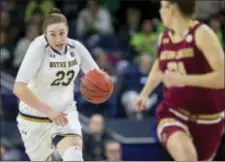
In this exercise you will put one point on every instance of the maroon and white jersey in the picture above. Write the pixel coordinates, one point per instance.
(186, 58)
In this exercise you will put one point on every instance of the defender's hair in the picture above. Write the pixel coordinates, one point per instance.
(54, 16)
(186, 7)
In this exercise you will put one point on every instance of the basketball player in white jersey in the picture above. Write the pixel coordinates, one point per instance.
(48, 117)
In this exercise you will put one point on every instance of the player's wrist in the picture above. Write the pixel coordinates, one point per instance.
(144, 93)
(185, 80)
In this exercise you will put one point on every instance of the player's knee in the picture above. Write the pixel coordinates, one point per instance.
(69, 141)
(190, 155)
(72, 153)
(70, 148)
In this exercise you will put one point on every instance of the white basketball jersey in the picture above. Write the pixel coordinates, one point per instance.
(51, 74)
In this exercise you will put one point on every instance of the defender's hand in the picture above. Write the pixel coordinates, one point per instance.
(173, 79)
(140, 103)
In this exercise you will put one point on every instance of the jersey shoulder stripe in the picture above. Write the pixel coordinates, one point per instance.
(41, 41)
(72, 43)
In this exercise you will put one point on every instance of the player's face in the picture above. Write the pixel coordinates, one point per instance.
(57, 35)
(166, 13)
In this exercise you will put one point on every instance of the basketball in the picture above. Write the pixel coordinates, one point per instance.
(96, 86)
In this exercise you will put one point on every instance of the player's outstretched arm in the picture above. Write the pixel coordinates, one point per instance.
(28, 69)
(22, 91)
(154, 78)
(208, 42)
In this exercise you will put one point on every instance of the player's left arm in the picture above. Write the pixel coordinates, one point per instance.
(208, 43)
(87, 61)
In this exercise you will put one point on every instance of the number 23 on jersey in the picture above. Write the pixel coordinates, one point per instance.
(63, 78)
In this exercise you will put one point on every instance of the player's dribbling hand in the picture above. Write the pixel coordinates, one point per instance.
(173, 79)
(140, 103)
(58, 117)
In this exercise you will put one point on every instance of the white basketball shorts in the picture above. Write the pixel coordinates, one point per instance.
(37, 133)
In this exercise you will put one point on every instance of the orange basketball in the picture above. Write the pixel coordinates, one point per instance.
(96, 86)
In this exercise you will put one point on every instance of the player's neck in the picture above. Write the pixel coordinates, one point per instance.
(181, 26)
(63, 49)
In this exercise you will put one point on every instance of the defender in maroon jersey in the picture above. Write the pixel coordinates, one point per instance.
(191, 64)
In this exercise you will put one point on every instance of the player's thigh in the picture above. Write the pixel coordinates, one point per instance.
(181, 147)
(36, 138)
(175, 136)
(73, 127)
(207, 139)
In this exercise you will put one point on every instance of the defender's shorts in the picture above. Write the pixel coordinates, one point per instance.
(205, 130)
(37, 133)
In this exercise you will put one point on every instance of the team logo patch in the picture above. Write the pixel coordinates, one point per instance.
(52, 55)
(189, 38)
(72, 54)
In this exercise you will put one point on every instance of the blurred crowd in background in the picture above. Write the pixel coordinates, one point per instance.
(122, 38)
